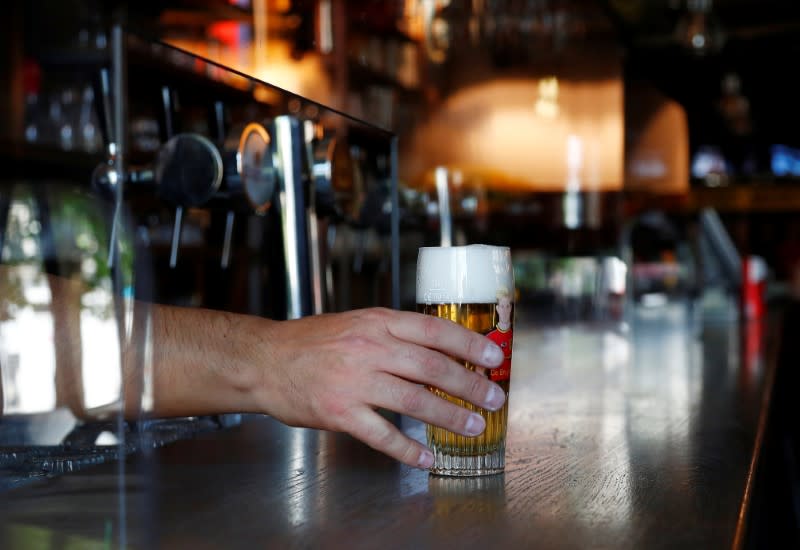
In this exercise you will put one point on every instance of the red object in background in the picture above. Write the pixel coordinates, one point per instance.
(228, 33)
(754, 282)
(752, 347)
(31, 77)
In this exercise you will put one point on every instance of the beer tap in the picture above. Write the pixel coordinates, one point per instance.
(230, 215)
(249, 182)
(354, 199)
(219, 124)
(106, 176)
(322, 149)
(338, 193)
(293, 209)
(188, 170)
(314, 228)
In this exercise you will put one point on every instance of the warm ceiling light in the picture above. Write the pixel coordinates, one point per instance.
(494, 134)
(547, 102)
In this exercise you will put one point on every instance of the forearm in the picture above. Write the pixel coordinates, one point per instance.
(206, 362)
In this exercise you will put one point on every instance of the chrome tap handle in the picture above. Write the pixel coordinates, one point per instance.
(289, 152)
(227, 239)
(108, 177)
(103, 107)
(168, 105)
(230, 216)
(175, 242)
(321, 153)
(315, 242)
(105, 176)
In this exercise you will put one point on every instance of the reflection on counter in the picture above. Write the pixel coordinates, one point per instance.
(481, 498)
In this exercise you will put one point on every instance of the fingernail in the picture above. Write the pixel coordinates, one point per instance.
(492, 354)
(475, 424)
(425, 459)
(495, 398)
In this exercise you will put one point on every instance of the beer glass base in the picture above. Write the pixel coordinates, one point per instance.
(446, 464)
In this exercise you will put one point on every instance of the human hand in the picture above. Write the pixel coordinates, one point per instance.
(332, 371)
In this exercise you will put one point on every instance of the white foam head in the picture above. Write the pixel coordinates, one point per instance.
(472, 274)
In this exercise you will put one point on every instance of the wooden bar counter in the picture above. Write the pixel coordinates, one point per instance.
(641, 439)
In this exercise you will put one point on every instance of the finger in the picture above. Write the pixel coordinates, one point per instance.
(446, 336)
(411, 399)
(430, 367)
(381, 435)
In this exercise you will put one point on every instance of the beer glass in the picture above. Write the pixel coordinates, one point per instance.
(472, 285)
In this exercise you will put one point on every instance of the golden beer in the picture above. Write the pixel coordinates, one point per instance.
(480, 318)
(442, 292)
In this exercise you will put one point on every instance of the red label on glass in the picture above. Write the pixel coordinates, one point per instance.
(504, 339)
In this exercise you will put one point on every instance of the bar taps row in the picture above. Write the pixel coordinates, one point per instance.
(283, 167)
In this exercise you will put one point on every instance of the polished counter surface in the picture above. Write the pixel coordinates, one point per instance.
(645, 438)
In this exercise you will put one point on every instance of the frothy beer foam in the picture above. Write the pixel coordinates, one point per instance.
(471, 274)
